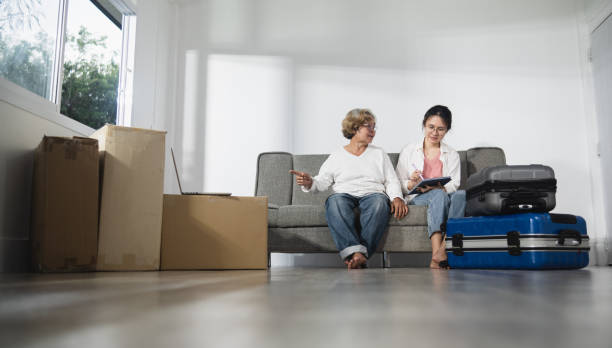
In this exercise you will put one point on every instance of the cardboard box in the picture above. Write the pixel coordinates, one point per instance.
(132, 180)
(212, 232)
(64, 230)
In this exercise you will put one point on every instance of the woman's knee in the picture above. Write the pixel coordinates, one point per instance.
(379, 203)
(458, 196)
(438, 195)
(336, 202)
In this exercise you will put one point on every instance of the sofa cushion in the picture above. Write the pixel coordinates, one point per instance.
(272, 216)
(301, 215)
(300, 240)
(314, 215)
(417, 216)
(406, 238)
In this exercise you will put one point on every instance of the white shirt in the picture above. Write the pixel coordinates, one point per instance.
(370, 172)
(413, 154)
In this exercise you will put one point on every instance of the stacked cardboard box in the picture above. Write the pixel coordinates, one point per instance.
(64, 226)
(76, 229)
(132, 179)
(210, 232)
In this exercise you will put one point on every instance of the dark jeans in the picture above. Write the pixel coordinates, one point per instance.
(374, 217)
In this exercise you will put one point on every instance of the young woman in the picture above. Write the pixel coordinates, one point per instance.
(361, 176)
(432, 158)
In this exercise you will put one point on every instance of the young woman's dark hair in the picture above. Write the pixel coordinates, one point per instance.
(443, 112)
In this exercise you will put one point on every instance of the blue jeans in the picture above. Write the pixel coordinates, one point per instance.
(374, 217)
(440, 207)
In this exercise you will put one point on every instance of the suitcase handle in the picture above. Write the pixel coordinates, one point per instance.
(458, 244)
(566, 219)
(569, 234)
(521, 205)
(514, 243)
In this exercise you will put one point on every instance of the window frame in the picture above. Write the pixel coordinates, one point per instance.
(49, 109)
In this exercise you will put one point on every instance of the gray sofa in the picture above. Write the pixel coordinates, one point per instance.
(296, 220)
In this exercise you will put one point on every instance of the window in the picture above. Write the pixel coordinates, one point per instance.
(75, 54)
(28, 35)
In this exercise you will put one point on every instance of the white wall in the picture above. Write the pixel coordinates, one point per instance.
(248, 100)
(513, 72)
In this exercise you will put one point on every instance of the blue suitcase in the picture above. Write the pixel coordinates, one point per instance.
(518, 241)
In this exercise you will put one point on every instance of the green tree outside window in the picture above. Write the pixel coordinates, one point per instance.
(89, 91)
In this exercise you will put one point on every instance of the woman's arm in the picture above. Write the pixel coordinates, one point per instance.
(392, 183)
(325, 178)
(408, 174)
(399, 209)
(302, 178)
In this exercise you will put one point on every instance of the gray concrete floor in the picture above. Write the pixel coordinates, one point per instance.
(309, 307)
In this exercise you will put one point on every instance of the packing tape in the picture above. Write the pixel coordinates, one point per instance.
(71, 151)
(74, 146)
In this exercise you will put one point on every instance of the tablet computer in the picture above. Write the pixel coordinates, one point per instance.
(430, 182)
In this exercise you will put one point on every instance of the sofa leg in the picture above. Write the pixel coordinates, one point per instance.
(269, 259)
(384, 259)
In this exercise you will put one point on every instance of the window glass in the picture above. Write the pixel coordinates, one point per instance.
(92, 55)
(28, 30)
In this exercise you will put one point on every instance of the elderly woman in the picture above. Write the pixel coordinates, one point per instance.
(432, 158)
(361, 176)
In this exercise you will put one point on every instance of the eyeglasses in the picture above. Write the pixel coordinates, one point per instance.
(369, 126)
(432, 129)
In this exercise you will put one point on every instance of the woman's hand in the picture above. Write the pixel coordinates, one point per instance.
(399, 209)
(429, 188)
(302, 179)
(415, 179)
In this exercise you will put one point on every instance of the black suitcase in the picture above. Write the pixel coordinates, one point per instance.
(511, 189)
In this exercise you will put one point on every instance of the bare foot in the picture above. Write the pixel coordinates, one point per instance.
(439, 255)
(357, 261)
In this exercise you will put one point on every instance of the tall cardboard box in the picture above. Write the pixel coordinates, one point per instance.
(132, 179)
(64, 229)
(211, 232)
